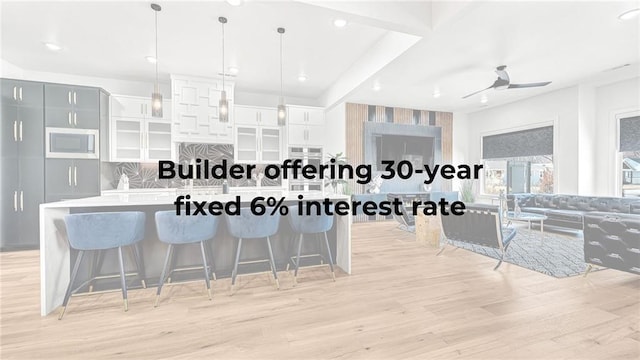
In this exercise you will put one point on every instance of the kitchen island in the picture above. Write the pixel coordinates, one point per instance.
(56, 256)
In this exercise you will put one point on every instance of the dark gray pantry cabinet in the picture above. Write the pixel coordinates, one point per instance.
(28, 177)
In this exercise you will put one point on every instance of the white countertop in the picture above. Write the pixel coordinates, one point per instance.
(168, 198)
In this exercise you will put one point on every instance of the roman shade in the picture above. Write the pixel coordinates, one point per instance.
(530, 142)
(630, 134)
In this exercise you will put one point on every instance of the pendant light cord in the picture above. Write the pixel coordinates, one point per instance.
(281, 92)
(157, 82)
(223, 72)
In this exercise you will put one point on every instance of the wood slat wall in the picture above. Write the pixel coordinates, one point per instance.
(358, 114)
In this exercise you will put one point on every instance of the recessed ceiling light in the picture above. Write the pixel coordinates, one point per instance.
(302, 78)
(484, 99)
(235, 2)
(151, 59)
(52, 46)
(376, 87)
(339, 23)
(630, 14)
(233, 70)
(436, 93)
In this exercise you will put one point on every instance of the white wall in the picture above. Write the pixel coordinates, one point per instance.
(10, 70)
(611, 100)
(585, 132)
(335, 130)
(270, 100)
(559, 108)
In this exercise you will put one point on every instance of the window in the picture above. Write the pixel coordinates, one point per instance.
(495, 176)
(530, 174)
(629, 140)
(519, 161)
(631, 174)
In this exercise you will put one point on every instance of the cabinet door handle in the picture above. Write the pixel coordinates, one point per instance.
(75, 175)
(20, 92)
(20, 130)
(75, 98)
(69, 175)
(15, 96)
(21, 200)
(75, 118)
(69, 96)
(69, 117)
(141, 109)
(15, 201)
(15, 130)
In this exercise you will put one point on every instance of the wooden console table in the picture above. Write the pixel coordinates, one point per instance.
(428, 229)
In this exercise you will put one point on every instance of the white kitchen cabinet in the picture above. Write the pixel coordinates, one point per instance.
(259, 140)
(255, 115)
(258, 144)
(196, 117)
(136, 136)
(123, 106)
(306, 126)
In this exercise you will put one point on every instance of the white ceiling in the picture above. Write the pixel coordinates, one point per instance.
(111, 39)
(562, 41)
(453, 46)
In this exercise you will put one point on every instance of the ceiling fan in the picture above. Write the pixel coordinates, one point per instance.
(503, 82)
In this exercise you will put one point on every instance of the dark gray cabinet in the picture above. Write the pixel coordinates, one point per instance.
(71, 179)
(21, 163)
(69, 106)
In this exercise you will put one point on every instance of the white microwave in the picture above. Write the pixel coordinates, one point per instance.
(72, 143)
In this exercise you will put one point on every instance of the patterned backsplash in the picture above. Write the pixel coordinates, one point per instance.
(146, 175)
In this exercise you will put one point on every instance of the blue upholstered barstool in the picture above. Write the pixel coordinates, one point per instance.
(102, 231)
(250, 226)
(178, 230)
(310, 224)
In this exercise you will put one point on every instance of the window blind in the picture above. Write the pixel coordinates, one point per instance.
(530, 142)
(630, 134)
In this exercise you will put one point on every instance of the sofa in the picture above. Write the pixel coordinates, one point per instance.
(613, 241)
(568, 211)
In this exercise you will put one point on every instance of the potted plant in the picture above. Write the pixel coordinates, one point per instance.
(467, 194)
(339, 186)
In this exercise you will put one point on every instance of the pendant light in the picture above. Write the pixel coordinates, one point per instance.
(223, 106)
(282, 109)
(156, 96)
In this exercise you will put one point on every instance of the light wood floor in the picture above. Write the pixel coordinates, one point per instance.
(401, 302)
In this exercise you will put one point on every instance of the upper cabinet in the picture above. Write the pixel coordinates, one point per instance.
(137, 107)
(136, 136)
(306, 126)
(196, 118)
(258, 136)
(68, 106)
(255, 115)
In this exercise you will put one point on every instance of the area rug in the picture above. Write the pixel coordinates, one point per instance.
(558, 255)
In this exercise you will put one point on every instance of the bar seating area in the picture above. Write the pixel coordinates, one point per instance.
(86, 233)
(176, 231)
(94, 232)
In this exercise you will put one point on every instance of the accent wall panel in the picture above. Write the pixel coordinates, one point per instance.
(357, 114)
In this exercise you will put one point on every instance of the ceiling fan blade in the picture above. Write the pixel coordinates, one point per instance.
(529, 85)
(477, 92)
